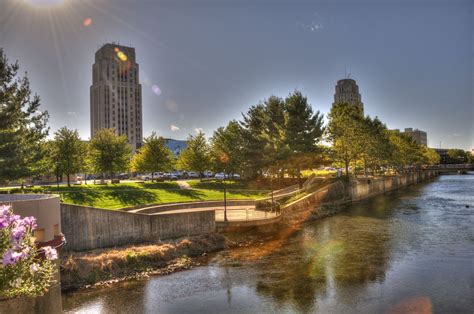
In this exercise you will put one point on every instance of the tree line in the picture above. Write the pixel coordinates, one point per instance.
(276, 137)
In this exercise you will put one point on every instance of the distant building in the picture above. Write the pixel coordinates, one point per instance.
(116, 93)
(418, 135)
(443, 155)
(347, 91)
(176, 146)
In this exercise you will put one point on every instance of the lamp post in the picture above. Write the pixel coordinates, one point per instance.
(271, 187)
(225, 198)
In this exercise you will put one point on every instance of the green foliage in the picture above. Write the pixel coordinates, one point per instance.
(346, 132)
(226, 148)
(22, 125)
(68, 152)
(196, 156)
(154, 156)
(430, 156)
(457, 156)
(109, 153)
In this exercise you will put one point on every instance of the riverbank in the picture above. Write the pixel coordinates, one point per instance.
(102, 267)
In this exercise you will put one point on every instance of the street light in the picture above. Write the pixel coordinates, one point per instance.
(225, 198)
(224, 159)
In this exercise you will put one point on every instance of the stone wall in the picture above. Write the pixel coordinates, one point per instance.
(88, 228)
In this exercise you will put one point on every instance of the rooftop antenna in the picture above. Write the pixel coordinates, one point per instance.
(345, 72)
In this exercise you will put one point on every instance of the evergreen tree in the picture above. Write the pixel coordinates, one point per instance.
(254, 141)
(22, 125)
(303, 131)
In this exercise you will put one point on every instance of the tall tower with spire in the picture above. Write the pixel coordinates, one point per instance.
(347, 91)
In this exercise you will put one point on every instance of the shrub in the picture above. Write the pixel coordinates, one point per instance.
(22, 271)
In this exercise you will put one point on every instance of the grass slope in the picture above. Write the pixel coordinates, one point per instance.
(114, 196)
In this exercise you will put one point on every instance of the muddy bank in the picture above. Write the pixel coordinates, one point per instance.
(102, 267)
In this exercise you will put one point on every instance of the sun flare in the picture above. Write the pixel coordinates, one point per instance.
(45, 3)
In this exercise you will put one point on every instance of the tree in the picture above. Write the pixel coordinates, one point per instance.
(457, 156)
(430, 156)
(109, 153)
(153, 156)
(196, 156)
(345, 131)
(226, 148)
(254, 141)
(22, 125)
(303, 131)
(69, 151)
(406, 152)
(376, 148)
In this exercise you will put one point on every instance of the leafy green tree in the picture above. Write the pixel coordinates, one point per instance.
(457, 156)
(406, 152)
(375, 144)
(22, 125)
(226, 148)
(196, 156)
(430, 156)
(153, 156)
(70, 152)
(303, 131)
(345, 130)
(109, 153)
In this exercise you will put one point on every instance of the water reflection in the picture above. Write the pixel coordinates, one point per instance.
(411, 250)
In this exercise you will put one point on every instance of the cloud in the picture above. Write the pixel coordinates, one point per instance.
(174, 128)
(71, 113)
(456, 135)
(198, 130)
(311, 27)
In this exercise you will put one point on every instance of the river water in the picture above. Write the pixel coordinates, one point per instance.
(410, 249)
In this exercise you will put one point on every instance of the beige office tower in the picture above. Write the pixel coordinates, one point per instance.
(347, 91)
(116, 93)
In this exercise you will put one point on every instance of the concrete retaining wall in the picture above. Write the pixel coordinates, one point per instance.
(322, 202)
(88, 228)
(188, 205)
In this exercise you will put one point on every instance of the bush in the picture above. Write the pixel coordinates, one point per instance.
(22, 272)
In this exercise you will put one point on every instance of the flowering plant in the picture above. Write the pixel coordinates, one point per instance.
(22, 272)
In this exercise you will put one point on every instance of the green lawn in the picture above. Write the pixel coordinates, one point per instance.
(113, 196)
(317, 172)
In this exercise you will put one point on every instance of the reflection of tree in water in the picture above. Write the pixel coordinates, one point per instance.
(339, 255)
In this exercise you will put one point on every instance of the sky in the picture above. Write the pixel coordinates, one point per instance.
(212, 60)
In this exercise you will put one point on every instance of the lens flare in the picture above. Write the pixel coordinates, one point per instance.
(122, 56)
(156, 90)
(87, 22)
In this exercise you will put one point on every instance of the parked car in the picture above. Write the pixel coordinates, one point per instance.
(220, 176)
(156, 175)
(208, 174)
(123, 176)
(192, 174)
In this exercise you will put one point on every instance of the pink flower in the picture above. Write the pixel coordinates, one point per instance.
(18, 233)
(29, 222)
(50, 253)
(11, 257)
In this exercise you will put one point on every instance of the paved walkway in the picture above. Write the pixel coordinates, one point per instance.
(234, 213)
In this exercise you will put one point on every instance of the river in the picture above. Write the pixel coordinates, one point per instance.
(410, 249)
